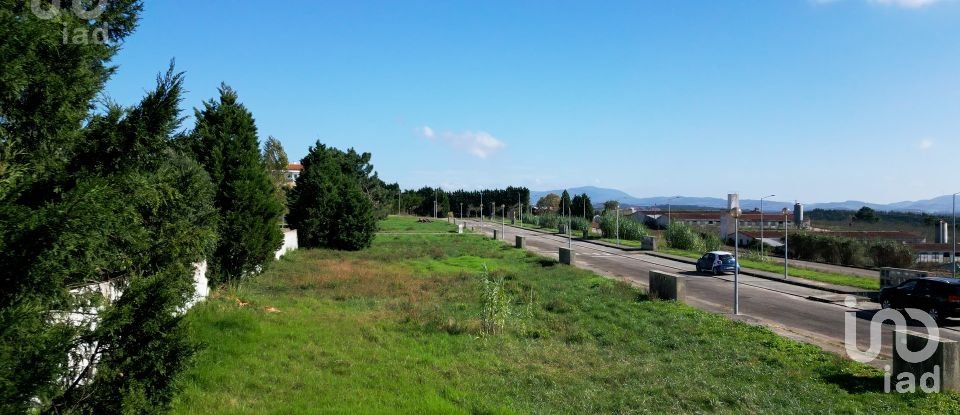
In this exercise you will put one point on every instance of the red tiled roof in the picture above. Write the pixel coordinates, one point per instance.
(294, 166)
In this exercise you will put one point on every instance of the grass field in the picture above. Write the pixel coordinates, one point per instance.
(409, 224)
(798, 272)
(396, 329)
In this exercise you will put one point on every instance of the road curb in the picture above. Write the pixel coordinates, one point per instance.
(791, 281)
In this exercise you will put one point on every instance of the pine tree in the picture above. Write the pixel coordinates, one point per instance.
(225, 143)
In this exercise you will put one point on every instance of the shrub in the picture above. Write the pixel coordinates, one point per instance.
(630, 229)
(680, 236)
(495, 304)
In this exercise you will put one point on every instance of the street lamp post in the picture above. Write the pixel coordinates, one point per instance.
(399, 209)
(481, 212)
(761, 223)
(461, 211)
(953, 263)
(618, 223)
(786, 243)
(503, 218)
(669, 213)
(434, 203)
(569, 230)
(736, 212)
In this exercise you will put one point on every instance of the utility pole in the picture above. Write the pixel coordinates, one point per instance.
(618, 222)
(953, 263)
(399, 209)
(669, 213)
(736, 260)
(786, 244)
(481, 211)
(434, 203)
(503, 220)
(461, 211)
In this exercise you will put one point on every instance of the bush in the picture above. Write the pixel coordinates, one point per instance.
(580, 224)
(891, 254)
(711, 242)
(680, 236)
(630, 229)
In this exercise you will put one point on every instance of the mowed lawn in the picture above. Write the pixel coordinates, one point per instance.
(396, 329)
(409, 224)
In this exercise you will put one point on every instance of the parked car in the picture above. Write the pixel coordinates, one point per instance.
(717, 262)
(938, 296)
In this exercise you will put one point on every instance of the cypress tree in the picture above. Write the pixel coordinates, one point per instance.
(225, 143)
(328, 207)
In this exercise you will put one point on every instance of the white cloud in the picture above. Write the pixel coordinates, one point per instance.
(926, 144)
(480, 143)
(426, 132)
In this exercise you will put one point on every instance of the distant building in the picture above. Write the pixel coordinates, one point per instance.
(293, 172)
(932, 253)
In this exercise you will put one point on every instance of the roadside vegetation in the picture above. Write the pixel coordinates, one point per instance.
(434, 324)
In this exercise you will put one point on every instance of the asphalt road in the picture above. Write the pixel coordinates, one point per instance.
(784, 308)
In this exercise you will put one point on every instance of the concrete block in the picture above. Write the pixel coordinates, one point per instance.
(460, 228)
(942, 368)
(495, 234)
(521, 242)
(666, 286)
(567, 256)
(648, 243)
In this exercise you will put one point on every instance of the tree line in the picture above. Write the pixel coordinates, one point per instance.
(421, 201)
(94, 192)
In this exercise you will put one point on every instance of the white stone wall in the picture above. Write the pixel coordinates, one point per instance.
(289, 242)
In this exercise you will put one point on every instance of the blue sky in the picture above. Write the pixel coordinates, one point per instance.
(813, 100)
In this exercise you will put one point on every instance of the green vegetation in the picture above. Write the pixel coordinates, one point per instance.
(328, 206)
(797, 272)
(225, 143)
(630, 229)
(407, 224)
(813, 246)
(398, 328)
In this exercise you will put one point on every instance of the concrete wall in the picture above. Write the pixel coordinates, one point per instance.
(290, 243)
(666, 286)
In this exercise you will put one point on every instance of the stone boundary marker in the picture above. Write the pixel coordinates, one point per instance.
(495, 237)
(666, 286)
(943, 368)
(567, 256)
(521, 242)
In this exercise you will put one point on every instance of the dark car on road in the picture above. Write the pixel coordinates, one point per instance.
(717, 262)
(938, 296)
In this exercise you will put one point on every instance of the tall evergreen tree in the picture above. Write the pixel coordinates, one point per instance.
(565, 202)
(125, 208)
(225, 143)
(328, 206)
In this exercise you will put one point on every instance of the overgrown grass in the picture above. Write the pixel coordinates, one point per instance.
(798, 272)
(409, 224)
(396, 329)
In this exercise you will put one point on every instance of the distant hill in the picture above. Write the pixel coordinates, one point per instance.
(599, 195)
